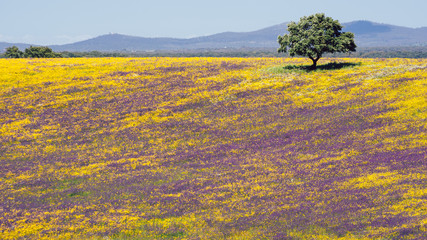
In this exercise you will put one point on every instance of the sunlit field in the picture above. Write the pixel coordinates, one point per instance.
(213, 148)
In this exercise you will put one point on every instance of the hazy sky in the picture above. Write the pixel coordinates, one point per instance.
(64, 21)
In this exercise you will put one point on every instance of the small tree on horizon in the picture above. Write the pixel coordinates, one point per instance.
(40, 52)
(315, 35)
(13, 52)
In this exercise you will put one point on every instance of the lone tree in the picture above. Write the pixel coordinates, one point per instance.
(13, 52)
(315, 35)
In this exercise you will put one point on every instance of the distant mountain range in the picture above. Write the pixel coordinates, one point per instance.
(367, 34)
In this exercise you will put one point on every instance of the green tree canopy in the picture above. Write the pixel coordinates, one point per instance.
(315, 35)
(40, 52)
(13, 52)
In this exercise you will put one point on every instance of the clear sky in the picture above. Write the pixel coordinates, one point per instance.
(65, 21)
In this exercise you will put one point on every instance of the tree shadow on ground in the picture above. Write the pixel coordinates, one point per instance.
(337, 65)
(322, 67)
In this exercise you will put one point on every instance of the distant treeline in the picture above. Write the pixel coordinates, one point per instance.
(397, 52)
(180, 53)
(389, 52)
(31, 52)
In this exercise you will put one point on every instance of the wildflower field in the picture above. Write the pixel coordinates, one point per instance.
(213, 148)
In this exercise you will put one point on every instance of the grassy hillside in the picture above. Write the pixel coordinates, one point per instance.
(213, 148)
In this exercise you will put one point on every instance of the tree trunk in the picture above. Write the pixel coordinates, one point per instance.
(314, 66)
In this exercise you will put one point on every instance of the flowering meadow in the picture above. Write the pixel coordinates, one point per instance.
(213, 148)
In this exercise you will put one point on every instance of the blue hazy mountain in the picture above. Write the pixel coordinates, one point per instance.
(367, 34)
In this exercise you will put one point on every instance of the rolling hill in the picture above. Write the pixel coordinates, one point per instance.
(213, 148)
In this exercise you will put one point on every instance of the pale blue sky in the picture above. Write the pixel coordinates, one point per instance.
(64, 21)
